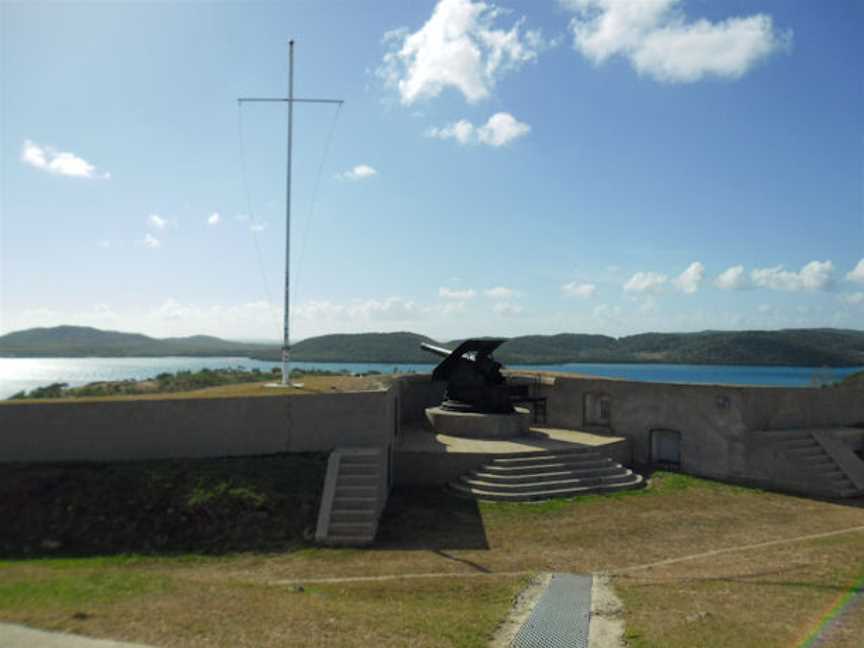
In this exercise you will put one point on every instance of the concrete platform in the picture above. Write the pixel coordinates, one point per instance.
(475, 425)
(424, 457)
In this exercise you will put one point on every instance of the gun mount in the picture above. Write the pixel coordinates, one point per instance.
(473, 377)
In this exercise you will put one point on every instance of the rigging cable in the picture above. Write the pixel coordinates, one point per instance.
(313, 205)
(255, 226)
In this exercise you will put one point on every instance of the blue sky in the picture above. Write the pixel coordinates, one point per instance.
(607, 166)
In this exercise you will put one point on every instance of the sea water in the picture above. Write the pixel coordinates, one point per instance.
(18, 374)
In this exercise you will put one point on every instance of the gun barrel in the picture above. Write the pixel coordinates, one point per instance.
(439, 351)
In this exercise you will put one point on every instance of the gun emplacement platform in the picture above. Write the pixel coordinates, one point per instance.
(477, 402)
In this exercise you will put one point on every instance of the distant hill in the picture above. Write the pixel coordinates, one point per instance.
(798, 347)
(81, 341)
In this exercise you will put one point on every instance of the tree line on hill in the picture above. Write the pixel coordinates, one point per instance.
(794, 347)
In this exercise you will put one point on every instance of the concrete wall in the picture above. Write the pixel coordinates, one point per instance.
(415, 394)
(173, 428)
(716, 422)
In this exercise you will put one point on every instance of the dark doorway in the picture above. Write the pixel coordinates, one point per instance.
(666, 449)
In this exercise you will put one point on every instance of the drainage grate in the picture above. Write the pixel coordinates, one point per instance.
(561, 617)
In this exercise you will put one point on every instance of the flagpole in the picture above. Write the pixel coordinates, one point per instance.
(286, 332)
(286, 327)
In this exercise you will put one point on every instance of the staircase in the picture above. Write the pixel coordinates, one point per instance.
(529, 476)
(354, 495)
(817, 471)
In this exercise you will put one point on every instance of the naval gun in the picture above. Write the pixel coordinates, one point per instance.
(473, 377)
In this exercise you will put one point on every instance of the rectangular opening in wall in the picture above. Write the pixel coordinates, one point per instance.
(666, 449)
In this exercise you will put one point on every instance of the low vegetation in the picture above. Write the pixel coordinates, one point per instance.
(202, 505)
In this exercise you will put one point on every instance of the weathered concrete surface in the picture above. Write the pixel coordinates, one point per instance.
(213, 427)
(473, 425)
(716, 422)
(18, 636)
(415, 394)
(423, 457)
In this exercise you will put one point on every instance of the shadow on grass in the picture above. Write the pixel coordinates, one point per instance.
(431, 519)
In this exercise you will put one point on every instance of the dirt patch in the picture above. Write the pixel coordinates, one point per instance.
(523, 605)
(607, 615)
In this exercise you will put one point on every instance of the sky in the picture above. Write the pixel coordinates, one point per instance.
(596, 166)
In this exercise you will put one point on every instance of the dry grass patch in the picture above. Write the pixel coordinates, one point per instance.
(761, 597)
(453, 612)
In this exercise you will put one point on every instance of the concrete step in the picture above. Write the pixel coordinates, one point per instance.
(811, 451)
(530, 454)
(636, 481)
(548, 467)
(356, 480)
(529, 457)
(351, 529)
(537, 476)
(343, 503)
(790, 444)
(787, 434)
(850, 492)
(355, 491)
(358, 469)
(814, 460)
(498, 487)
(352, 515)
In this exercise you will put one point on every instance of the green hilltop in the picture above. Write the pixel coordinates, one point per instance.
(798, 347)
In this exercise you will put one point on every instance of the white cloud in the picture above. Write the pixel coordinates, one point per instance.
(853, 298)
(659, 41)
(646, 282)
(732, 278)
(454, 308)
(214, 219)
(576, 289)
(507, 309)
(151, 241)
(857, 274)
(258, 227)
(458, 47)
(689, 280)
(358, 172)
(500, 292)
(500, 129)
(462, 131)
(816, 275)
(104, 244)
(448, 293)
(157, 222)
(390, 309)
(58, 162)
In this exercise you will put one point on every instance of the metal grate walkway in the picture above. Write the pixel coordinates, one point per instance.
(561, 617)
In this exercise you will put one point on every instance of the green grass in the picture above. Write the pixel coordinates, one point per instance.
(77, 589)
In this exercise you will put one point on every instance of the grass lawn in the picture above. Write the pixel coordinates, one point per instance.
(753, 596)
(311, 384)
